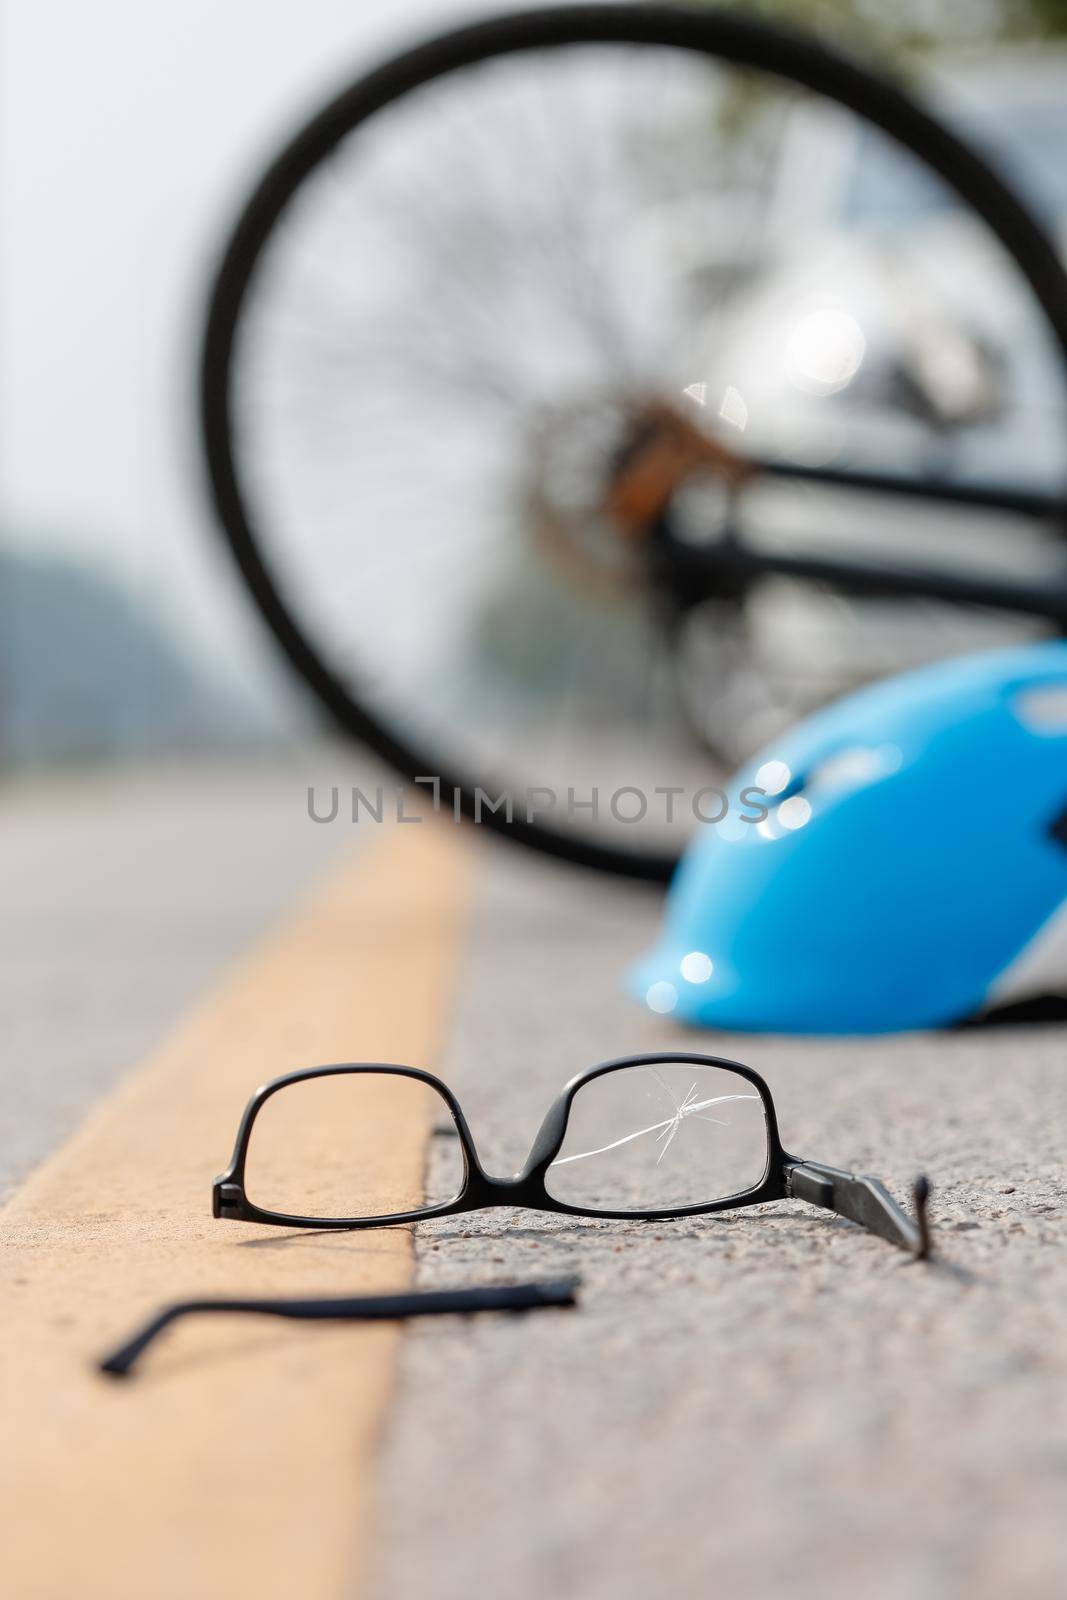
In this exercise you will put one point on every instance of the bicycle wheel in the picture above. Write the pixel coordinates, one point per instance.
(435, 321)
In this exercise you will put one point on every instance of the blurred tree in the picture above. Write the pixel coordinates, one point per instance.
(889, 36)
(905, 27)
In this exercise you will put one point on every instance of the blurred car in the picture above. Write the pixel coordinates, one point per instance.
(879, 283)
(885, 329)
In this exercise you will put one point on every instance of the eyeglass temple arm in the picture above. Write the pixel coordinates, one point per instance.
(366, 1308)
(864, 1201)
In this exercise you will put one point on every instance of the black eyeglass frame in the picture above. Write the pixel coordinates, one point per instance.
(861, 1199)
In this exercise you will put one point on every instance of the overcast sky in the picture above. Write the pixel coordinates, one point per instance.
(128, 133)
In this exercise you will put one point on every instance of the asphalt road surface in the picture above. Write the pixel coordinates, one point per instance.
(760, 1403)
(125, 894)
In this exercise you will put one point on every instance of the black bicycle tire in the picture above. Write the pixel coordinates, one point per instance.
(726, 35)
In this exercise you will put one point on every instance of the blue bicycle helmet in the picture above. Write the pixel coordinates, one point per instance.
(908, 871)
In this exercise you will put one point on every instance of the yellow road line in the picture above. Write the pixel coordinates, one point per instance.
(241, 1461)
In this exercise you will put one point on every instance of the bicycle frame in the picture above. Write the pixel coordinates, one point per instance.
(693, 573)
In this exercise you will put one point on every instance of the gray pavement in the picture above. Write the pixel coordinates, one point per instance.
(126, 891)
(763, 1403)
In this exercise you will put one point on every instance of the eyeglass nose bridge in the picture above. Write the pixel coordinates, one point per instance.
(484, 1188)
(525, 1187)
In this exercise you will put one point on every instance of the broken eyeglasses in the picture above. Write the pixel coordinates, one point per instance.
(646, 1137)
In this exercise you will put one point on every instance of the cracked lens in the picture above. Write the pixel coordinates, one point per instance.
(659, 1137)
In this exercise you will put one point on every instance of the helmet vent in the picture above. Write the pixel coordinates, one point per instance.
(1043, 710)
(855, 767)
(1058, 828)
